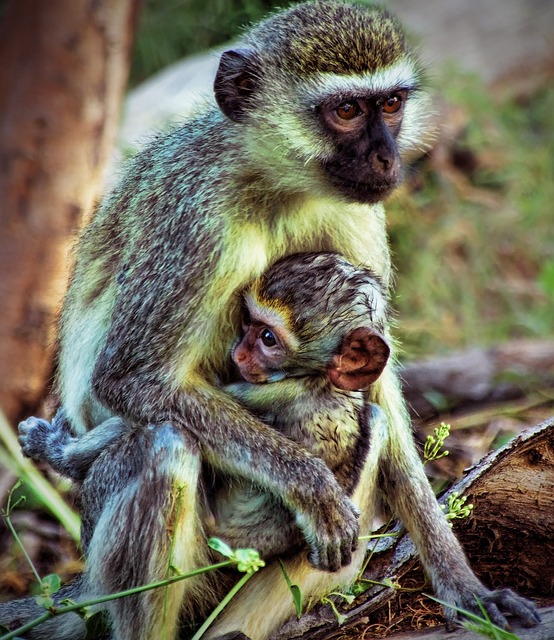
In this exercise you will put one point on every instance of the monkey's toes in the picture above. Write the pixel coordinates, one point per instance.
(509, 602)
(32, 434)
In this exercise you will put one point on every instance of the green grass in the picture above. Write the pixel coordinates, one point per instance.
(473, 232)
(172, 29)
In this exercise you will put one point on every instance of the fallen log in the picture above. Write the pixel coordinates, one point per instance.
(478, 375)
(508, 539)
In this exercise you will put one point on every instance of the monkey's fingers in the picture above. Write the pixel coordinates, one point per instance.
(339, 555)
(509, 602)
(333, 557)
(347, 549)
(324, 559)
(496, 604)
(333, 550)
(325, 551)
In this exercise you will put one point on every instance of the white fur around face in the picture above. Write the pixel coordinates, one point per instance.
(402, 75)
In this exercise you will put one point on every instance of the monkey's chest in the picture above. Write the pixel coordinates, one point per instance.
(335, 432)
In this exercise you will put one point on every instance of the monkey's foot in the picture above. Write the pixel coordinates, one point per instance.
(34, 436)
(496, 604)
(509, 602)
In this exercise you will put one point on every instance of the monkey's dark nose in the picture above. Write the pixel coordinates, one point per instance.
(384, 163)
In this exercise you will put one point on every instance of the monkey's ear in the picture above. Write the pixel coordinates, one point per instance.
(236, 82)
(360, 361)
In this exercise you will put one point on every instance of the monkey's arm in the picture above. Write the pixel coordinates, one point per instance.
(410, 495)
(261, 398)
(55, 443)
(233, 441)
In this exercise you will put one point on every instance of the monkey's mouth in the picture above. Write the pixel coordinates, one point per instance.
(365, 192)
(255, 378)
(360, 183)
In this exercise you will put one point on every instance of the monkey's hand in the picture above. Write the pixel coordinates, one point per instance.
(496, 604)
(328, 520)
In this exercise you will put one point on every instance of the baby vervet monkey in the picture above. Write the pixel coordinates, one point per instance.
(312, 341)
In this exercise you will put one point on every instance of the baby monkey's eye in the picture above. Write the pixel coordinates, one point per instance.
(348, 110)
(268, 338)
(246, 321)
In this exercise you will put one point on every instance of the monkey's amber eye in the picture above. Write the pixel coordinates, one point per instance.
(392, 104)
(268, 338)
(348, 110)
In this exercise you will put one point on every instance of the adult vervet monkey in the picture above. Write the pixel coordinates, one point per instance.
(316, 107)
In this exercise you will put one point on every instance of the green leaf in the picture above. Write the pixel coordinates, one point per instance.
(360, 587)
(97, 626)
(221, 547)
(51, 583)
(296, 593)
(84, 612)
(294, 589)
(44, 601)
(248, 560)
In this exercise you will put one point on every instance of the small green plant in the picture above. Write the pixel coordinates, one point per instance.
(434, 444)
(378, 536)
(247, 561)
(363, 584)
(294, 589)
(456, 507)
(341, 618)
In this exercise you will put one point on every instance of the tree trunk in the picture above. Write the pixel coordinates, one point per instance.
(507, 537)
(63, 71)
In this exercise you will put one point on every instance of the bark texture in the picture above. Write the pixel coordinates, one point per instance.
(63, 71)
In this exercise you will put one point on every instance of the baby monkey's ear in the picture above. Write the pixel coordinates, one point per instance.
(361, 359)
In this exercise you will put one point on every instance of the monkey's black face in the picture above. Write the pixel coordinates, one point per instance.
(366, 165)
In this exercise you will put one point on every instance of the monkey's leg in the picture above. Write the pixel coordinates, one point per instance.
(265, 603)
(246, 517)
(151, 524)
(410, 496)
